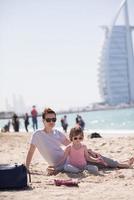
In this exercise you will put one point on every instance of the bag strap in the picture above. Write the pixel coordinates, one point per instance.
(29, 175)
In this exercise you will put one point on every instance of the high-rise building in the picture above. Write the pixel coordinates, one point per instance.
(116, 72)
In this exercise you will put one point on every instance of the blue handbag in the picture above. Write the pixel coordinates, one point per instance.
(13, 176)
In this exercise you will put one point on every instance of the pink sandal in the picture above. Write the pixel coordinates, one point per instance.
(69, 182)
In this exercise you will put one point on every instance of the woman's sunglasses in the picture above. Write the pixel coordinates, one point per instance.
(50, 119)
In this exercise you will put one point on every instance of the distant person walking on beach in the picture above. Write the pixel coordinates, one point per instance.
(15, 122)
(34, 115)
(64, 123)
(80, 122)
(6, 127)
(26, 121)
(77, 119)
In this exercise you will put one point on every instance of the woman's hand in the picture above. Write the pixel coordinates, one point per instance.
(51, 171)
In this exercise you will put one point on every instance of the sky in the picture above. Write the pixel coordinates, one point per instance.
(50, 50)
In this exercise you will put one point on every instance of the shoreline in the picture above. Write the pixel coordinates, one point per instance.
(103, 133)
(8, 114)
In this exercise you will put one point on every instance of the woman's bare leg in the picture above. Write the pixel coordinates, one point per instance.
(127, 163)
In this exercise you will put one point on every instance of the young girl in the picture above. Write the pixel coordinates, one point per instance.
(76, 155)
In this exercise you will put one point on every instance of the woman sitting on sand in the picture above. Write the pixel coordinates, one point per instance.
(48, 141)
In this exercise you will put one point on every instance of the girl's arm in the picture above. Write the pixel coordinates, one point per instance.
(93, 154)
(98, 159)
(88, 156)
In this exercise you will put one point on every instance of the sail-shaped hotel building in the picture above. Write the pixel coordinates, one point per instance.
(116, 72)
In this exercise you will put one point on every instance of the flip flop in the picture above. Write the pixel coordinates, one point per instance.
(68, 182)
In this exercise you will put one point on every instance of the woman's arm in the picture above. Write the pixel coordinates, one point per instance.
(30, 155)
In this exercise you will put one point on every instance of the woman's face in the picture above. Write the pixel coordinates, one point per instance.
(49, 120)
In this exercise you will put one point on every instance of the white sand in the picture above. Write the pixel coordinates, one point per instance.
(114, 185)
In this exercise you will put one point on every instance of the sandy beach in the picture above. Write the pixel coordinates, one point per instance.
(117, 184)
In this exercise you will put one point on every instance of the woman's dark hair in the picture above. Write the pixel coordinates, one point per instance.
(75, 132)
(48, 111)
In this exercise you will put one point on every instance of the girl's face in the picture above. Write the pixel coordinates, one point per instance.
(77, 139)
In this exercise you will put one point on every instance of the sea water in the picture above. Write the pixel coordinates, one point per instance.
(116, 120)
